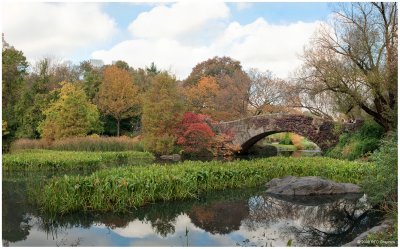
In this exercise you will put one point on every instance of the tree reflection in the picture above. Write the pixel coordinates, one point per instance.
(219, 218)
(316, 220)
(219, 212)
(15, 222)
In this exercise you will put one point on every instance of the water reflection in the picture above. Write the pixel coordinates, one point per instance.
(311, 221)
(228, 218)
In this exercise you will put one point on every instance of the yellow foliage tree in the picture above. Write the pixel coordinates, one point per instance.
(118, 95)
(71, 115)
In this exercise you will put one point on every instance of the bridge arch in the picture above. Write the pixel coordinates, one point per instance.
(246, 132)
(253, 140)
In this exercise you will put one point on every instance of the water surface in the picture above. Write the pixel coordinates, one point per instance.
(246, 217)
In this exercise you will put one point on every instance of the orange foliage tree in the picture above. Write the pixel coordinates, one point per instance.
(229, 83)
(201, 97)
(118, 95)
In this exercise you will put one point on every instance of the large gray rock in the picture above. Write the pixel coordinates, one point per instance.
(309, 185)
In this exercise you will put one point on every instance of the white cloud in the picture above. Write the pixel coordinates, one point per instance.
(56, 29)
(243, 5)
(180, 19)
(167, 54)
(174, 36)
(135, 229)
(161, 36)
(266, 46)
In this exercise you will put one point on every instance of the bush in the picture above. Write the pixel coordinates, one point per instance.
(381, 183)
(195, 134)
(89, 143)
(361, 143)
(286, 140)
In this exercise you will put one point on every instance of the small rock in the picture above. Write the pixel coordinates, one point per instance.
(309, 185)
(173, 157)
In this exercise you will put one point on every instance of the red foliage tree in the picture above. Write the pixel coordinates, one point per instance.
(194, 133)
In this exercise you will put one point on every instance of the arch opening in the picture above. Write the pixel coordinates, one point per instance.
(269, 140)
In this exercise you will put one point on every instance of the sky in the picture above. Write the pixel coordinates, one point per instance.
(175, 36)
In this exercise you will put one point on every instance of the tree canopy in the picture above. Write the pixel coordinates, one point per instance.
(162, 109)
(71, 115)
(354, 61)
(118, 95)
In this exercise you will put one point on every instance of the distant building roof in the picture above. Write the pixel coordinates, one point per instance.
(96, 63)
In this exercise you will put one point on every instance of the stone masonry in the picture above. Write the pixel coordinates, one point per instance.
(249, 131)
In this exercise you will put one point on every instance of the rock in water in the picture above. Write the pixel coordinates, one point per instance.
(309, 185)
(173, 157)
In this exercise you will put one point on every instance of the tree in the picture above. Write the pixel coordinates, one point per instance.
(266, 91)
(71, 115)
(201, 97)
(118, 95)
(215, 67)
(162, 110)
(40, 89)
(14, 70)
(194, 133)
(355, 61)
(91, 79)
(122, 65)
(152, 70)
(232, 97)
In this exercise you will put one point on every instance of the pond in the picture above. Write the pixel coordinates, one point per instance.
(246, 217)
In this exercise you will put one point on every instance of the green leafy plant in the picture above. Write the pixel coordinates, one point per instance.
(68, 160)
(120, 189)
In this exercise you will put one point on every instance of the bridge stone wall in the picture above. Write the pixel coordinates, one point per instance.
(250, 130)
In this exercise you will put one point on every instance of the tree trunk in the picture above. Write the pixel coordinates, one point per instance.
(118, 127)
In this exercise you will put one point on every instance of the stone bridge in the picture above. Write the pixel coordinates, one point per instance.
(248, 131)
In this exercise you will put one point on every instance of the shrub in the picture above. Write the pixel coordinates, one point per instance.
(286, 140)
(358, 144)
(381, 183)
(194, 134)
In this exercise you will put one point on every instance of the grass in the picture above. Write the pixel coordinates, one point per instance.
(69, 160)
(89, 143)
(121, 189)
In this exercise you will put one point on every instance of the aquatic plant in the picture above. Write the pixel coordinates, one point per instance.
(89, 143)
(121, 189)
(67, 160)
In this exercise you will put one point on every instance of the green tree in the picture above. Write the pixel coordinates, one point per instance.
(118, 95)
(37, 94)
(71, 115)
(122, 65)
(14, 66)
(152, 70)
(91, 79)
(162, 110)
